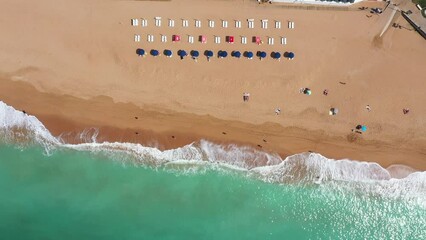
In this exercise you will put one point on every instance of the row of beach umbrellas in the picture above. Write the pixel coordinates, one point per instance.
(221, 54)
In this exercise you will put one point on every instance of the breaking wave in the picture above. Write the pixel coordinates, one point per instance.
(305, 168)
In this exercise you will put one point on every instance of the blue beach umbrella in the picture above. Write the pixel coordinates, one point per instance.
(277, 55)
(140, 52)
(290, 55)
(249, 55)
(154, 52)
(222, 54)
(262, 55)
(236, 54)
(168, 53)
(182, 54)
(208, 54)
(195, 54)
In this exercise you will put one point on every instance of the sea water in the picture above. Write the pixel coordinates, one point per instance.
(52, 190)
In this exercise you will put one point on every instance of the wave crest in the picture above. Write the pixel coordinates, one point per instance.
(306, 168)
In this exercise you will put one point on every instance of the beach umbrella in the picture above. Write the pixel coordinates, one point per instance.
(277, 55)
(236, 54)
(208, 54)
(140, 52)
(307, 91)
(154, 52)
(249, 55)
(290, 55)
(363, 128)
(262, 54)
(222, 54)
(182, 54)
(168, 53)
(195, 54)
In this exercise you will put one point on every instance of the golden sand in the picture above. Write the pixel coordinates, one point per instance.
(73, 65)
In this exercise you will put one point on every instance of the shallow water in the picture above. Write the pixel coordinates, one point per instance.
(53, 190)
(75, 195)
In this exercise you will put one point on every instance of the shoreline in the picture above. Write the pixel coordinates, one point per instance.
(173, 130)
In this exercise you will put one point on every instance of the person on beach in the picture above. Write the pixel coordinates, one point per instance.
(246, 96)
(277, 111)
(325, 92)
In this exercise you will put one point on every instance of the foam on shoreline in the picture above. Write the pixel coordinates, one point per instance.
(307, 168)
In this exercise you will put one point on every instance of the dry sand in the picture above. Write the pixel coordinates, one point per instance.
(73, 65)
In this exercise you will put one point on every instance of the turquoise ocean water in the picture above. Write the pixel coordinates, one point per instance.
(50, 190)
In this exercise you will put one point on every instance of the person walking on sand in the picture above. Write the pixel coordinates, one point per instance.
(368, 108)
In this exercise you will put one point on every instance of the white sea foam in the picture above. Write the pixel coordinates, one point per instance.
(306, 168)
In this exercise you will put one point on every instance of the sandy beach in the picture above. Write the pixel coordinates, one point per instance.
(73, 65)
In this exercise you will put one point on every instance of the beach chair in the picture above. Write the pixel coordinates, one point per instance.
(277, 24)
(197, 23)
(163, 38)
(175, 38)
(290, 24)
(243, 40)
(216, 39)
(185, 23)
(171, 23)
(264, 23)
(157, 21)
(257, 40)
(283, 40)
(224, 23)
(135, 22)
(137, 38)
(250, 23)
(150, 38)
(144, 22)
(230, 39)
(270, 40)
(237, 24)
(211, 23)
(190, 39)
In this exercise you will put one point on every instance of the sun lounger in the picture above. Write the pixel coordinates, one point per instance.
(264, 23)
(185, 23)
(290, 24)
(211, 23)
(283, 40)
(237, 24)
(243, 40)
(157, 21)
(144, 22)
(137, 38)
(224, 23)
(171, 23)
(135, 22)
(217, 39)
(163, 38)
(190, 39)
(197, 23)
(270, 40)
(278, 24)
(250, 23)
(150, 38)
